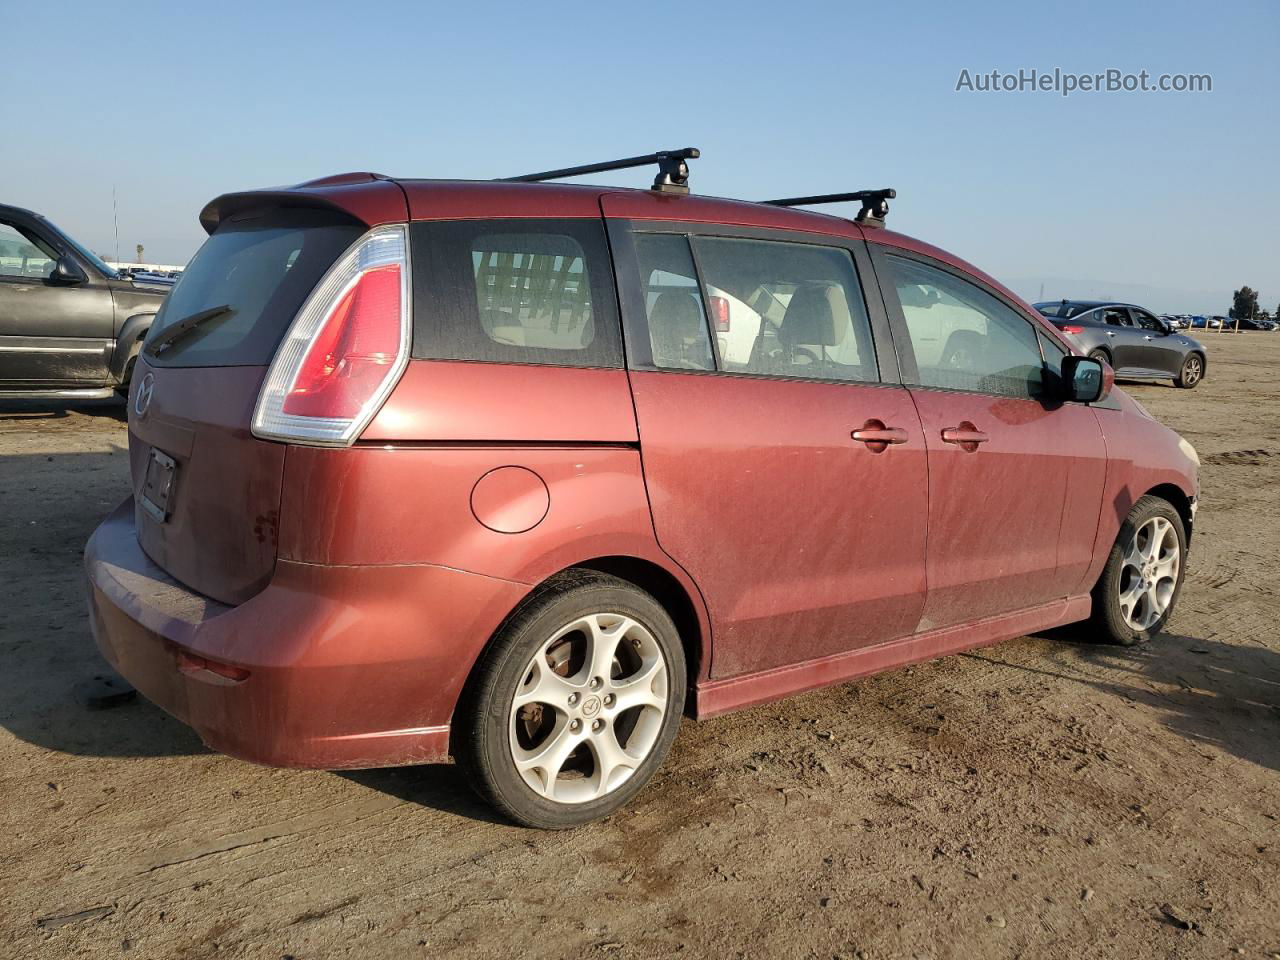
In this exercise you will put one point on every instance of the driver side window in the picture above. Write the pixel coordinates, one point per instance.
(23, 256)
(1146, 321)
(963, 337)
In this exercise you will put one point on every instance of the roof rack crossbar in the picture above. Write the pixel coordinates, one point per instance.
(673, 169)
(875, 203)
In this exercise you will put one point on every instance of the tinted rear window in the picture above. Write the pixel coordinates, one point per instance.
(263, 266)
(514, 291)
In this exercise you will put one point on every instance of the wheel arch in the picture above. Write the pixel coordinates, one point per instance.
(1181, 502)
(664, 586)
(129, 342)
(682, 602)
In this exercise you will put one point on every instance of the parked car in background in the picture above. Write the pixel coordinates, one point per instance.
(1254, 323)
(1136, 343)
(400, 493)
(1201, 322)
(70, 326)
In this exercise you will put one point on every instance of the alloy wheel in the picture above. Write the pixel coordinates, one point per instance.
(589, 709)
(1191, 370)
(1149, 573)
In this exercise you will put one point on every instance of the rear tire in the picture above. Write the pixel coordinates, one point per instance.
(1192, 371)
(575, 704)
(1138, 589)
(1100, 355)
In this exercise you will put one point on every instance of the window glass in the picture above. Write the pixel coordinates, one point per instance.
(786, 309)
(673, 303)
(22, 257)
(261, 265)
(516, 291)
(963, 337)
(1147, 321)
(99, 264)
(1115, 317)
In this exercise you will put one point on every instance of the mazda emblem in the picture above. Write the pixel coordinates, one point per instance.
(142, 399)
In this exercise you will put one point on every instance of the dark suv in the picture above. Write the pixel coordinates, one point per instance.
(70, 326)
(521, 472)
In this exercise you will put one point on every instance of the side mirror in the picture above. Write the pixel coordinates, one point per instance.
(1086, 380)
(67, 271)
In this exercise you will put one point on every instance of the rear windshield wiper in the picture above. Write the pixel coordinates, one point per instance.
(176, 331)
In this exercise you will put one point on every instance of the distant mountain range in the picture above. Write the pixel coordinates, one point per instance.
(1158, 299)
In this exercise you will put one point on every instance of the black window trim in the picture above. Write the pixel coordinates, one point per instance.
(635, 319)
(906, 358)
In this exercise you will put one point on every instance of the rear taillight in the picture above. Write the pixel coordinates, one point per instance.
(1071, 328)
(720, 313)
(346, 348)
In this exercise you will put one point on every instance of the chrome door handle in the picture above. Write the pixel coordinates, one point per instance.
(966, 436)
(1148, 338)
(877, 436)
(1110, 333)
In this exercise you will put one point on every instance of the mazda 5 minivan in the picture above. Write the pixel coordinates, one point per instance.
(521, 473)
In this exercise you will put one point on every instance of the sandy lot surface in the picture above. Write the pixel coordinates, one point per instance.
(1042, 798)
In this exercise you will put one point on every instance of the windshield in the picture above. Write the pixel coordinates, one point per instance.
(98, 263)
(261, 267)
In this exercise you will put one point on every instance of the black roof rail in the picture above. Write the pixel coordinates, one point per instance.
(673, 170)
(875, 203)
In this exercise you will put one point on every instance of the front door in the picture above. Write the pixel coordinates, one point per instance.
(783, 475)
(51, 334)
(1160, 350)
(1012, 476)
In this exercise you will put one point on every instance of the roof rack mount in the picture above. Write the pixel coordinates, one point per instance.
(673, 169)
(875, 203)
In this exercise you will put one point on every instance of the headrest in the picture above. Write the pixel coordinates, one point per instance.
(817, 315)
(676, 314)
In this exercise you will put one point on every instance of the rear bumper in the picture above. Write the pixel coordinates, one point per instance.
(333, 667)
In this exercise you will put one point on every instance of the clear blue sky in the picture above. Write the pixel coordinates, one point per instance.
(1175, 194)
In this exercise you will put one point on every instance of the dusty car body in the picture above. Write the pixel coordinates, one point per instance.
(336, 586)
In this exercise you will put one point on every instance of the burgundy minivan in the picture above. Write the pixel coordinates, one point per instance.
(520, 473)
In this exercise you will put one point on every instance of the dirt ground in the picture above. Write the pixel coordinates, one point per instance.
(1041, 798)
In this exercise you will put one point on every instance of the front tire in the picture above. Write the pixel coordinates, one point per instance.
(574, 706)
(1139, 586)
(1191, 372)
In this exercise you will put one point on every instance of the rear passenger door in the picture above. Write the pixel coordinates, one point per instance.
(1015, 477)
(785, 465)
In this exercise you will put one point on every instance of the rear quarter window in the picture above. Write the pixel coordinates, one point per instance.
(514, 291)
